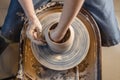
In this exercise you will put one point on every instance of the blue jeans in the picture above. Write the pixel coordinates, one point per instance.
(101, 10)
(104, 15)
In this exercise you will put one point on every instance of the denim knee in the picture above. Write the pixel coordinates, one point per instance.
(13, 23)
(103, 13)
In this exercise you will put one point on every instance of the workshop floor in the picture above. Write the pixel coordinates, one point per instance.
(110, 56)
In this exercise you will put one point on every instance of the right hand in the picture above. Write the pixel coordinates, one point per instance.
(56, 36)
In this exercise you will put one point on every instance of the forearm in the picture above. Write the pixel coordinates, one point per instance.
(28, 7)
(34, 23)
(70, 10)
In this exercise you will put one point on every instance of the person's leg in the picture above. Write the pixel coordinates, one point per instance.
(13, 23)
(103, 13)
(38, 3)
(9, 31)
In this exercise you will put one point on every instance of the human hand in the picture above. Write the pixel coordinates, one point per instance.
(34, 32)
(55, 35)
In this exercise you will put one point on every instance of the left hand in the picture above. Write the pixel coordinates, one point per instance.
(34, 32)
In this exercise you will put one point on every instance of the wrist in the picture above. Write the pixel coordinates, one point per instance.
(61, 31)
(32, 17)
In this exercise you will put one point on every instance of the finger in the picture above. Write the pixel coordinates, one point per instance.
(29, 32)
(39, 37)
(38, 42)
(29, 35)
(35, 35)
(35, 39)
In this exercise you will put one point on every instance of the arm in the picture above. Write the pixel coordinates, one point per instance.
(70, 10)
(27, 5)
(34, 23)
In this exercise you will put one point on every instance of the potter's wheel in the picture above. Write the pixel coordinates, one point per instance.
(70, 58)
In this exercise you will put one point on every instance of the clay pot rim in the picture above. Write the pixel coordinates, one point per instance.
(65, 42)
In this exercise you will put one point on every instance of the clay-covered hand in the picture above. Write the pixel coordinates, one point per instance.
(56, 36)
(34, 32)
